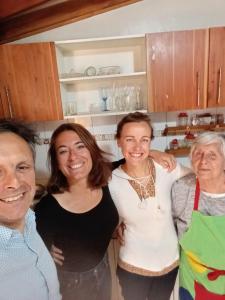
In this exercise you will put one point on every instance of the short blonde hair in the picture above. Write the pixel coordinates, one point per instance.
(207, 138)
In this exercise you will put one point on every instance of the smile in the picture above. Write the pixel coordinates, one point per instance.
(12, 199)
(136, 154)
(76, 166)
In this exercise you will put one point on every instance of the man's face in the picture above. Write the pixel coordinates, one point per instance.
(17, 180)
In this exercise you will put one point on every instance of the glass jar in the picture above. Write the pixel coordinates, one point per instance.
(220, 118)
(174, 144)
(189, 139)
(194, 120)
(182, 119)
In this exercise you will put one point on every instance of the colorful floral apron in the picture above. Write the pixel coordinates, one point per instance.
(202, 264)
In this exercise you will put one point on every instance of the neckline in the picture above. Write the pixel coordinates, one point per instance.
(79, 213)
(150, 167)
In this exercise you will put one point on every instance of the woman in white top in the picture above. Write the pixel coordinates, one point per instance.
(141, 188)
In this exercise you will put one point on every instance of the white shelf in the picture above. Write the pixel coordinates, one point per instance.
(70, 45)
(103, 114)
(71, 80)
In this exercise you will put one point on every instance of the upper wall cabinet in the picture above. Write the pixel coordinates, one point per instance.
(102, 76)
(29, 87)
(216, 77)
(177, 70)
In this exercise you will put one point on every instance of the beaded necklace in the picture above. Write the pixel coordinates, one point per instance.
(144, 186)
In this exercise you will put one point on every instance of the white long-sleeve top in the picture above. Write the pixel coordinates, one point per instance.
(150, 240)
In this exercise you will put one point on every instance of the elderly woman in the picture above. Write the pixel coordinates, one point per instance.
(199, 212)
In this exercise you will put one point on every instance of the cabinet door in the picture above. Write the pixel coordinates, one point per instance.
(216, 76)
(4, 105)
(177, 69)
(32, 82)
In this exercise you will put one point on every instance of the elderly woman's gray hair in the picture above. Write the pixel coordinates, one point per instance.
(207, 138)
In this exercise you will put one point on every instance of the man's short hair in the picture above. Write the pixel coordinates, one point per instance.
(22, 130)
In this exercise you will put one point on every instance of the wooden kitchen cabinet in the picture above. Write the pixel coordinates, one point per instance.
(216, 75)
(29, 86)
(177, 70)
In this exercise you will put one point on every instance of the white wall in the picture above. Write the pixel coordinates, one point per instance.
(142, 17)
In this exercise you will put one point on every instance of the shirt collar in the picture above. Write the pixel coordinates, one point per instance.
(6, 233)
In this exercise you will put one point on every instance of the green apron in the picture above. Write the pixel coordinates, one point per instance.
(202, 263)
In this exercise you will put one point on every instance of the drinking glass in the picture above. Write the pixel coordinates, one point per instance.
(104, 97)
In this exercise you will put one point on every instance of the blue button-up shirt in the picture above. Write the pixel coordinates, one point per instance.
(27, 271)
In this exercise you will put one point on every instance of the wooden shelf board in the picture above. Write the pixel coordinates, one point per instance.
(180, 152)
(109, 42)
(178, 130)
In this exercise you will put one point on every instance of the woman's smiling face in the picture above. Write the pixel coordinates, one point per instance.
(135, 141)
(74, 159)
(208, 161)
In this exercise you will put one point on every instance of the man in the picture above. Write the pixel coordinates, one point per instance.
(27, 270)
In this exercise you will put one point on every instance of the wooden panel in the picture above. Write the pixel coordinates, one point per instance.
(11, 7)
(55, 15)
(189, 69)
(4, 105)
(159, 70)
(216, 82)
(33, 82)
(177, 70)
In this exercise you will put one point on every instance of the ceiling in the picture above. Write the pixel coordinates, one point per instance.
(22, 18)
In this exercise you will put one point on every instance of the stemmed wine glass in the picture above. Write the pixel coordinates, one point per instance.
(104, 97)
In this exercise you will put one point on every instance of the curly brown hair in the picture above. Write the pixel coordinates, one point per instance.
(101, 168)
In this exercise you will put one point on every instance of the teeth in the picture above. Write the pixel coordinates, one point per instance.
(11, 199)
(76, 166)
(136, 154)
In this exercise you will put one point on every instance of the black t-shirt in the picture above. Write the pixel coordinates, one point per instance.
(83, 237)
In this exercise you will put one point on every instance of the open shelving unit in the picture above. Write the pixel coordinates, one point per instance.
(75, 57)
(179, 130)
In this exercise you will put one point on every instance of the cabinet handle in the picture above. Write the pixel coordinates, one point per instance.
(1, 102)
(198, 89)
(9, 102)
(219, 85)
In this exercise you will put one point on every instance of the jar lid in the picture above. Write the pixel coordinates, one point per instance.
(174, 141)
(190, 136)
(182, 114)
